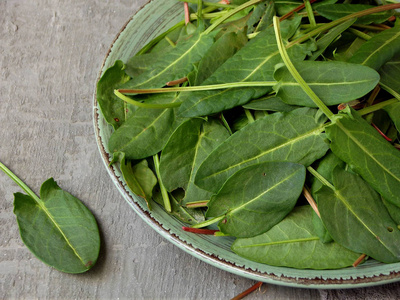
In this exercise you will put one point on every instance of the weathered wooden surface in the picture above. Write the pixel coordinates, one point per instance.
(50, 55)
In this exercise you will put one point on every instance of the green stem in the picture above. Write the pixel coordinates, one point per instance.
(295, 73)
(249, 115)
(164, 192)
(341, 20)
(199, 10)
(375, 107)
(320, 178)
(170, 42)
(225, 122)
(194, 88)
(19, 182)
(390, 90)
(230, 14)
(215, 4)
(146, 105)
(197, 204)
(208, 222)
(310, 13)
(359, 34)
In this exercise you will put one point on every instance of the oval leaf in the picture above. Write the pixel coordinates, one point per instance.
(257, 197)
(58, 228)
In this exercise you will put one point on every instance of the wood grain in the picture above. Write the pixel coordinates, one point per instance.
(50, 56)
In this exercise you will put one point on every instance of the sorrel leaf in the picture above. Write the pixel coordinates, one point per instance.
(260, 56)
(147, 131)
(58, 228)
(186, 149)
(357, 143)
(334, 82)
(355, 216)
(293, 243)
(393, 111)
(389, 74)
(175, 64)
(294, 137)
(112, 108)
(139, 178)
(379, 49)
(337, 11)
(257, 197)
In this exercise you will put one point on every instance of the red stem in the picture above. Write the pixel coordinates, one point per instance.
(298, 8)
(248, 291)
(187, 14)
(381, 133)
(199, 230)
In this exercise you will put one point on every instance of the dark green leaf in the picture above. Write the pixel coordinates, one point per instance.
(390, 74)
(257, 197)
(379, 49)
(337, 11)
(394, 112)
(294, 137)
(293, 243)
(112, 108)
(334, 82)
(357, 143)
(147, 131)
(58, 228)
(355, 216)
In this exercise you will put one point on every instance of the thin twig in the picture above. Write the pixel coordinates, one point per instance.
(176, 82)
(311, 200)
(248, 291)
(359, 260)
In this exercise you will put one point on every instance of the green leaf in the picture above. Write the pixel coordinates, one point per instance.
(175, 64)
(147, 131)
(337, 11)
(257, 197)
(394, 113)
(58, 228)
(355, 216)
(271, 103)
(260, 56)
(357, 143)
(394, 211)
(334, 82)
(294, 137)
(379, 49)
(389, 74)
(219, 52)
(186, 149)
(293, 243)
(139, 178)
(112, 108)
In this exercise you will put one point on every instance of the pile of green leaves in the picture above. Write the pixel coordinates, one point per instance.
(231, 118)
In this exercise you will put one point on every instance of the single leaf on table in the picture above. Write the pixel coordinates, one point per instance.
(175, 64)
(139, 178)
(337, 11)
(260, 56)
(147, 131)
(257, 197)
(358, 144)
(58, 228)
(393, 111)
(379, 49)
(113, 108)
(293, 243)
(270, 103)
(334, 82)
(296, 137)
(355, 216)
(219, 52)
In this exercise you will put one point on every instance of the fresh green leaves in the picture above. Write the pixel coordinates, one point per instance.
(293, 137)
(267, 193)
(358, 144)
(293, 243)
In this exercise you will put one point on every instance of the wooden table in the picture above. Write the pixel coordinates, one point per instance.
(50, 56)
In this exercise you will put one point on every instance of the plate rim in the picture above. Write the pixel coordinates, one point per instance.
(212, 259)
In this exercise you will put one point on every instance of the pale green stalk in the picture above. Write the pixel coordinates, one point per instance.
(320, 178)
(390, 90)
(310, 13)
(146, 105)
(208, 222)
(375, 107)
(249, 115)
(215, 4)
(359, 34)
(164, 192)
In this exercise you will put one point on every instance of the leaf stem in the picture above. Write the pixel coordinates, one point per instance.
(320, 178)
(215, 4)
(295, 73)
(390, 90)
(146, 105)
(164, 192)
(310, 13)
(249, 116)
(208, 222)
(230, 14)
(359, 34)
(197, 204)
(248, 291)
(310, 200)
(194, 88)
(18, 181)
(375, 107)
